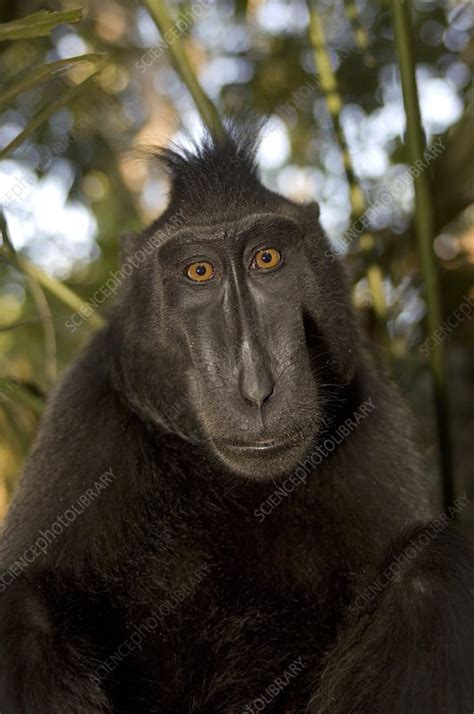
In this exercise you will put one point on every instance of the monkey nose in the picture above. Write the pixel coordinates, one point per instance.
(257, 392)
(256, 382)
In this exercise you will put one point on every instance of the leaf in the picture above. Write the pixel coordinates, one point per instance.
(32, 77)
(20, 324)
(42, 116)
(12, 388)
(15, 436)
(39, 24)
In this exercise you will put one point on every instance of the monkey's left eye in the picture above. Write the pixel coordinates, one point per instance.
(266, 259)
(200, 272)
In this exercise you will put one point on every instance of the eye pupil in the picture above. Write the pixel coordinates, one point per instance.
(201, 270)
(267, 257)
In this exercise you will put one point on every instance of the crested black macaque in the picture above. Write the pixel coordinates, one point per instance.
(223, 510)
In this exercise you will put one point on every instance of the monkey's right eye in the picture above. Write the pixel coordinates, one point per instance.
(200, 272)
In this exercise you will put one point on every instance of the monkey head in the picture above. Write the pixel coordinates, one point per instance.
(237, 328)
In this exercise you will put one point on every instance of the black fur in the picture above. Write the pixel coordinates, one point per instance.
(180, 586)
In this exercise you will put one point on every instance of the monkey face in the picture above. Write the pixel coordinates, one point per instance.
(232, 349)
(234, 292)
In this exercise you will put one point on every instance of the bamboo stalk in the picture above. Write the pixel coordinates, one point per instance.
(424, 227)
(53, 286)
(65, 295)
(162, 18)
(46, 317)
(360, 33)
(333, 99)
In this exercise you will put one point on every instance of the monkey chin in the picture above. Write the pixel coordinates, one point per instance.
(263, 461)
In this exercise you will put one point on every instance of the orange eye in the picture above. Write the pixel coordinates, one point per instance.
(266, 258)
(200, 272)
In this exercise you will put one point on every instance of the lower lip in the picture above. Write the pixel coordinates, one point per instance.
(256, 448)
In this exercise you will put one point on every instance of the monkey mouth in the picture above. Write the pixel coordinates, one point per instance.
(264, 446)
(260, 459)
(245, 454)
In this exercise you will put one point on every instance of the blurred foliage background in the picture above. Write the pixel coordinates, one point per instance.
(80, 91)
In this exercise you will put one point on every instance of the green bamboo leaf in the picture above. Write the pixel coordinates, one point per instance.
(32, 77)
(39, 24)
(44, 114)
(16, 436)
(168, 29)
(42, 306)
(424, 225)
(21, 323)
(14, 389)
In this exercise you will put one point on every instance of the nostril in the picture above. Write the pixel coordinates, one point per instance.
(267, 396)
(257, 393)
